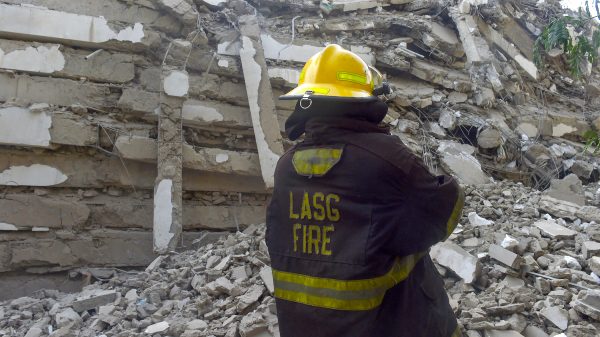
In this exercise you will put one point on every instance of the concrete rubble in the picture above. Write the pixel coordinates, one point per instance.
(135, 128)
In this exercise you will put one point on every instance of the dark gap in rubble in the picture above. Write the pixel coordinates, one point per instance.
(216, 139)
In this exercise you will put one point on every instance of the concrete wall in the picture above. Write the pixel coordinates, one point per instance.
(80, 84)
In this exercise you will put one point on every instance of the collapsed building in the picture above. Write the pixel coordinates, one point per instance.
(131, 129)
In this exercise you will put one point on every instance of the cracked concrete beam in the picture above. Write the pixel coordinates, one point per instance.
(114, 213)
(84, 171)
(41, 24)
(498, 39)
(448, 78)
(28, 211)
(113, 10)
(201, 159)
(58, 61)
(56, 91)
(260, 98)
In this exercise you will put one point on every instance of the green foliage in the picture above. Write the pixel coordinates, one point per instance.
(592, 141)
(556, 36)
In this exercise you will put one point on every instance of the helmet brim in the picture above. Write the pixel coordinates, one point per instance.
(328, 92)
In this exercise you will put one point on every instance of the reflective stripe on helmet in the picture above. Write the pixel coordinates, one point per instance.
(364, 294)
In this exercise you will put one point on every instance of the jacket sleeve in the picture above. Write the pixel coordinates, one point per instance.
(432, 208)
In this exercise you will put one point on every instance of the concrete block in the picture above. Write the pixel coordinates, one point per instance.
(553, 230)
(69, 129)
(33, 211)
(505, 256)
(476, 49)
(93, 299)
(266, 275)
(453, 257)
(590, 248)
(81, 30)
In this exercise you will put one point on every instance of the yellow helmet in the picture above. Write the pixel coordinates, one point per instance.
(337, 74)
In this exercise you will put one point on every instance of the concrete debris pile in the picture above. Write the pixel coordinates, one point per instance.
(221, 289)
(164, 120)
(512, 269)
(133, 128)
(509, 270)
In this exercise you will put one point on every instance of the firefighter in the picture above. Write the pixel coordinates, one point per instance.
(354, 213)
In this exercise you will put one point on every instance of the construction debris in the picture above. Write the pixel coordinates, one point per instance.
(136, 128)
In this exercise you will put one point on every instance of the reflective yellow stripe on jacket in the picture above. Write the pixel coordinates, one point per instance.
(336, 294)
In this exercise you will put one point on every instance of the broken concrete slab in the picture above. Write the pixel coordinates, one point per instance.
(505, 256)
(568, 189)
(462, 164)
(113, 10)
(476, 49)
(559, 208)
(496, 38)
(553, 230)
(588, 303)
(448, 78)
(80, 30)
(453, 257)
(58, 61)
(557, 316)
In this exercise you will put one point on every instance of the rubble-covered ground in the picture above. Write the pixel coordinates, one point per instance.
(525, 260)
(510, 269)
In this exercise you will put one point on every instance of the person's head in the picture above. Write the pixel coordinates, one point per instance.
(336, 82)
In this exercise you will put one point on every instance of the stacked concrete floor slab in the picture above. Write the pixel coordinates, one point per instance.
(108, 109)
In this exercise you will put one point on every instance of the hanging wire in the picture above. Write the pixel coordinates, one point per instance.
(293, 37)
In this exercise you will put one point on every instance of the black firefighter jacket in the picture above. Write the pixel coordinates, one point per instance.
(349, 226)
